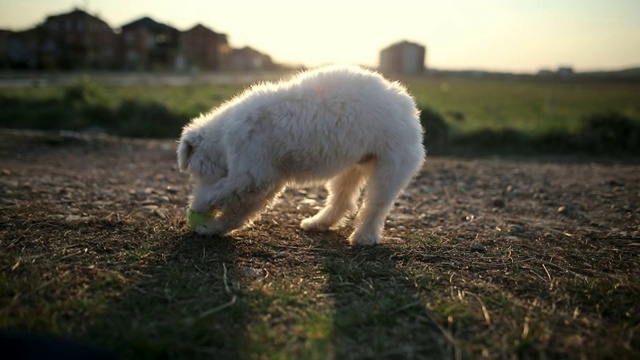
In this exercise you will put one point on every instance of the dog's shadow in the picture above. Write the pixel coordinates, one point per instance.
(185, 305)
(203, 296)
(377, 312)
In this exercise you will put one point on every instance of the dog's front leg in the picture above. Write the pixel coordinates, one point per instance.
(238, 205)
(224, 192)
(203, 203)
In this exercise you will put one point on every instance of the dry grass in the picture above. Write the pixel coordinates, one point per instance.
(483, 258)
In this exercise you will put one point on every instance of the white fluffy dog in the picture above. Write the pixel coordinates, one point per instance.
(340, 124)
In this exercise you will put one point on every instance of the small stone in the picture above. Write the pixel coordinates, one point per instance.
(499, 203)
(160, 214)
(253, 272)
(308, 201)
(515, 229)
(562, 210)
(615, 183)
(171, 190)
(478, 247)
(400, 217)
(101, 203)
(405, 196)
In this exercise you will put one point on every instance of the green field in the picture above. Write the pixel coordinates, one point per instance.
(472, 111)
(535, 107)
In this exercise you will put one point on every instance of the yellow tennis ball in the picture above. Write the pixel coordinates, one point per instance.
(196, 219)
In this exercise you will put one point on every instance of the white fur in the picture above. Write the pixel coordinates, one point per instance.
(340, 124)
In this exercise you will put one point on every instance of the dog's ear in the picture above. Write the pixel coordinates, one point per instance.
(185, 149)
(187, 146)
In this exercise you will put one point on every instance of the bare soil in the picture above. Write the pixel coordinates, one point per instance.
(529, 257)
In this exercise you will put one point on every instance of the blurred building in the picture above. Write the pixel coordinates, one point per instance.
(203, 48)
(565, 71)
(404, 58)
(149, 45)
(23, 48)
(4, 49)
(561, 72)
(248, 59)
(76, 40)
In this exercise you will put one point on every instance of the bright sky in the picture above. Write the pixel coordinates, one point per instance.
(504, 35)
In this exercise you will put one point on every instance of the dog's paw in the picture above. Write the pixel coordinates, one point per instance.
(312, 224)
(364, 239)
(211, 228)
(202, 230)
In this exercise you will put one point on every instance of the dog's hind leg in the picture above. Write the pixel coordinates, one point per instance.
(386, 182)
(344, 191)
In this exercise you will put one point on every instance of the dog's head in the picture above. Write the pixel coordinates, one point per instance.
(200, 154)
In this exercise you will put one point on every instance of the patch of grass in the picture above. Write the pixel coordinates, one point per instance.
(487, 115)
(158, 112)
(515, 313)
(532, 107)
(608, 133)
(230, 298)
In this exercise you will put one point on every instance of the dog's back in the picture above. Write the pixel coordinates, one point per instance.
(325, 120)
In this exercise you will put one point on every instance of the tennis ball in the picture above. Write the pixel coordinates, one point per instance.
(195, 219)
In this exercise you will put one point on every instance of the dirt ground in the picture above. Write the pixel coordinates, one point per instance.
(574, 218)
(76, 177)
